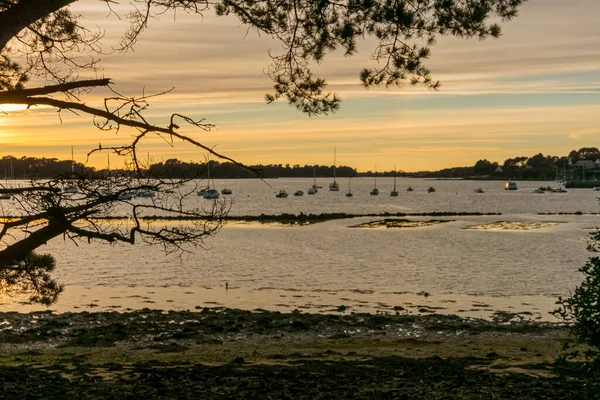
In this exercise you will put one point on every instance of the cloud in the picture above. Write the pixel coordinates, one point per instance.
(535, 89)
(585, 134)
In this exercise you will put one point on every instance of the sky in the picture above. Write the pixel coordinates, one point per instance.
(535, 89)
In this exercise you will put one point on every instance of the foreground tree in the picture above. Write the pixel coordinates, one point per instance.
(43, 40)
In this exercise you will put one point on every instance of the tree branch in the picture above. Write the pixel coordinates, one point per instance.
(21, 95)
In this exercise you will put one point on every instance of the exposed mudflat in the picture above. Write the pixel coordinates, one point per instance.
(514, 225)
(227, 353)
(399, 223)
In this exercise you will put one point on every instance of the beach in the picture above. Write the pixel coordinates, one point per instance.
(212, 353)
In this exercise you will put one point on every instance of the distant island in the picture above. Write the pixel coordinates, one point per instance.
(578, 165)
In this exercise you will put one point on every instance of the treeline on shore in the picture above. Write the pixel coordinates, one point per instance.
(579, 164)
(582, 164)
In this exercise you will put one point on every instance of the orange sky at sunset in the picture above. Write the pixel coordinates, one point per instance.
(536, 89)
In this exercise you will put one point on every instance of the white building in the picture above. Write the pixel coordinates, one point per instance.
(587, 164)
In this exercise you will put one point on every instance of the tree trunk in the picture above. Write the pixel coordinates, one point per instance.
(25, 12)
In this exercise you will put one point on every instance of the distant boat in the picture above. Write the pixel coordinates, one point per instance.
(375, 191)
(71, 188)
(314, 189)
(334, 187)
(431, 189)
(298, 193)
(282, 194)
(211, 194)
(394, 192)
(596, 188)
(349, 194)
(479, 190)
(203, 192)
(226, 191)
(409, 189)
(510, 185)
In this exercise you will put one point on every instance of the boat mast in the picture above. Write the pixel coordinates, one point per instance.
(395, 173)
(72, 163)
(375, 185)
(334, 151)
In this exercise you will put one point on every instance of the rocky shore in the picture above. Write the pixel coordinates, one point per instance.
(216, 353)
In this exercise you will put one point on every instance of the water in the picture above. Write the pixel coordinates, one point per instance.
(320, 267)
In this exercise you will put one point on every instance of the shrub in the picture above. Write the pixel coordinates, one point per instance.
(582, 308)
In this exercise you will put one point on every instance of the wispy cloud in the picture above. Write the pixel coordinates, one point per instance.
(534, 89)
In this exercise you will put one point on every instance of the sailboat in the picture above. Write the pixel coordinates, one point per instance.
(334, 187)
(70, 188)
(349, 194)
(210, 194)
(394, 192)
(314, 189)
(7, 196)
(375, 191)
(108, 191)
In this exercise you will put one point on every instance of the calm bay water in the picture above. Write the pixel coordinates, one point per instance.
(322, 266)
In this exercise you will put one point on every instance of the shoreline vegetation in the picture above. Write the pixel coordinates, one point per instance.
(579, 168)
(214, 353)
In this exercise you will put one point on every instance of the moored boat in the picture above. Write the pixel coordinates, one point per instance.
(211, 194)
(375, 191)
(282, 194)
(394, 192)
(349, 194)
(334, 187)
(510, 185)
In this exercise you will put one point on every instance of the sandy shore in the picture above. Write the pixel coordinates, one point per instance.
(228, 353)
(182, 298)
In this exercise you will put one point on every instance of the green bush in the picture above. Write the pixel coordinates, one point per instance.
(582, 308)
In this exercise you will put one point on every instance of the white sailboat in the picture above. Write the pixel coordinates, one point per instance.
(209, 193)
(334, 187)
(394, 192)
(7, 196)
(314, 189)
(70, 188)
(375, 191)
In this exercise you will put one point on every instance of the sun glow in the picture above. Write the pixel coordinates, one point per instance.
(12, 107)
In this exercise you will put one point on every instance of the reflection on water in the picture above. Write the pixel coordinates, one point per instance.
(323, 266)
